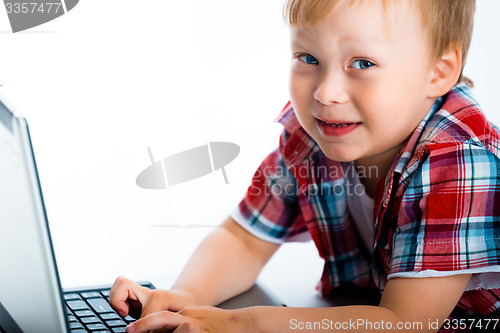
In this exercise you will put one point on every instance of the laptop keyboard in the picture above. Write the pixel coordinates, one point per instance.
(89, 311)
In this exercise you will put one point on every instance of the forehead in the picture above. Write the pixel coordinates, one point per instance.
(365, 22)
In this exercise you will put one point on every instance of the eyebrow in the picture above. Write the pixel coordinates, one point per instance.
(351, 39)
(295, 42)
(301, 41)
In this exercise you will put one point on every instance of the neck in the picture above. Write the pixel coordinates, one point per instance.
(374, 168)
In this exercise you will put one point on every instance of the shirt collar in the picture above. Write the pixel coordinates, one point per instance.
(448, 103)
(298, 145)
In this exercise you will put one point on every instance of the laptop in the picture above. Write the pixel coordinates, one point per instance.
(31, 297)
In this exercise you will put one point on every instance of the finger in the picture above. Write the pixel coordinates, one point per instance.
(161, 330)
(188, 327)
(159, 300)
(150, 308)
(125, 293)
(163, 319)
(119, 296)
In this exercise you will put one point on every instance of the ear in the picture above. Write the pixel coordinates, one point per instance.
(445, 72)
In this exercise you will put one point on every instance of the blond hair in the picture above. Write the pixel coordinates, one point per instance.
(448, 23)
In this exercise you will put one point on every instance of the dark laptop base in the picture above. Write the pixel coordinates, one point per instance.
(7, 323)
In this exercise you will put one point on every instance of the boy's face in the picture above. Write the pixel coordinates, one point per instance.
(358, 80)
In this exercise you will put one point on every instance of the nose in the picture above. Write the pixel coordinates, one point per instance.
(330, 89)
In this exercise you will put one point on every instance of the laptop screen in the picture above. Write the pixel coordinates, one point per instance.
(5, 116)
(29, 285)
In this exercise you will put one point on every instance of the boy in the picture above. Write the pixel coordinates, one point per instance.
(373, 89)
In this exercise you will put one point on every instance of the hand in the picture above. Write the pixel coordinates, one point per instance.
(204, 319)
(127, 297)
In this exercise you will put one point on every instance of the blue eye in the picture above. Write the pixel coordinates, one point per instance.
(362, 64)
(309, 59)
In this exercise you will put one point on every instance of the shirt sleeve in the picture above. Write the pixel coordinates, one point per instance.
(449, 216)
(270, 209)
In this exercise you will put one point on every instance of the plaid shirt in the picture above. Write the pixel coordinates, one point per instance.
(438, 207)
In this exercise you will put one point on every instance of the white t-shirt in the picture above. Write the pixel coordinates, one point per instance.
(360, 206)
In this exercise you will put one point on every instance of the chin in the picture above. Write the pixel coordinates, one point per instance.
(339, 155)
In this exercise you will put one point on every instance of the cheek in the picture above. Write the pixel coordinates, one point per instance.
(301, 86)
(372, 99)
(383, 97)
(300, 96)
(302, 100)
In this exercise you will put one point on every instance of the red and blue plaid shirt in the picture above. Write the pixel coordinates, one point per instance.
(438, 208)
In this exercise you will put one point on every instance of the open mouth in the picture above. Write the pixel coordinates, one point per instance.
(336, 128)
(340, 124)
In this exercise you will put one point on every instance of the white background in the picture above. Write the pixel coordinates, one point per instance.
(110, 78)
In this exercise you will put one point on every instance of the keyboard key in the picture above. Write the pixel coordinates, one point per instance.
(95, 327)
(75, 325)
(129, 319)
(100, 305)
(105, 293)
(110, 316)
(91, 294)
(118, 329)
(78, 331)
(91, 320)
(84, 313)
(72, 296)
(114, 323)
(71, 318)
(77, 305)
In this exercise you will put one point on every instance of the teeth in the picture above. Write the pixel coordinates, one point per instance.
(337, 124)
